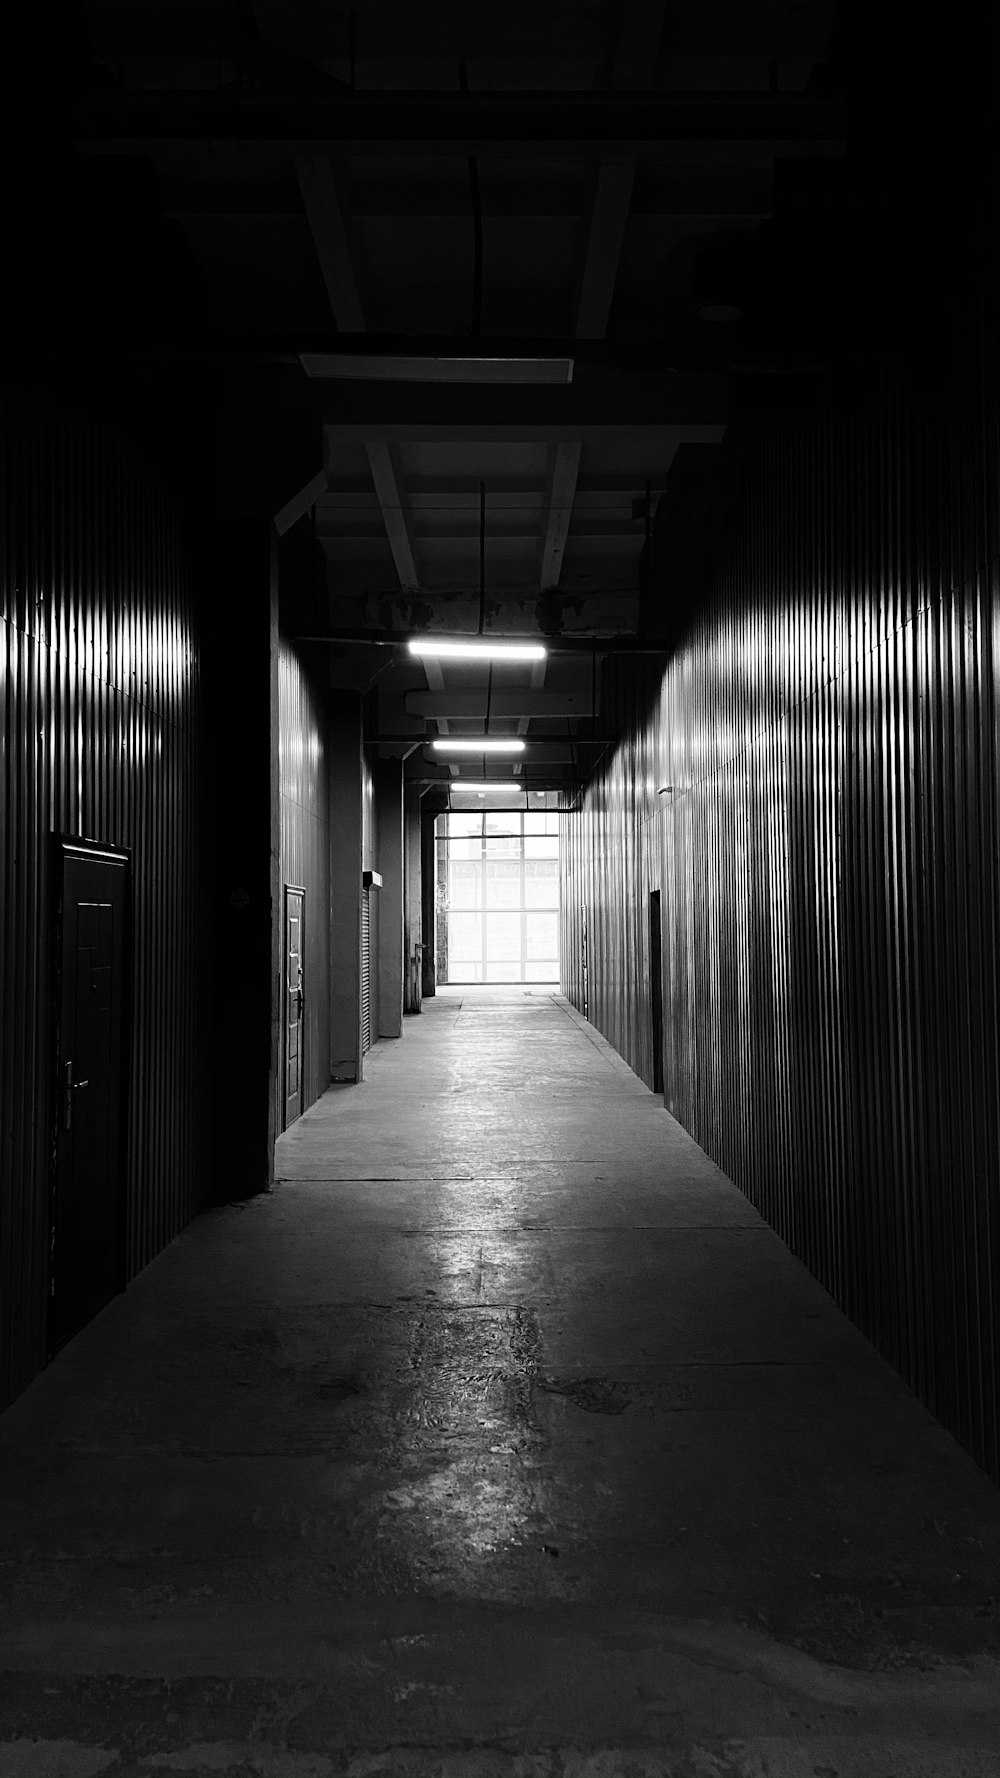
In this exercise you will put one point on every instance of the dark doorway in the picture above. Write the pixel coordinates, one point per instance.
(88, 1199)
(656, 988)
(292, 1037)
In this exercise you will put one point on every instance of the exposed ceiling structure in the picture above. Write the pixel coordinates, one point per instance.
(513, 254)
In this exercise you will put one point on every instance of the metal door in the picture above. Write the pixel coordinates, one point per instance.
(656, 988)
(293, 1034)
(366, 971)
(87, 1225)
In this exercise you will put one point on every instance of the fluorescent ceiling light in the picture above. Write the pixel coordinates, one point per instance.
(480, 786)
(484, 744)
(393, 367)
(477, 649)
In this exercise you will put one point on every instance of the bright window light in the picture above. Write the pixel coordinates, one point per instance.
(477, 649)
(481, 744)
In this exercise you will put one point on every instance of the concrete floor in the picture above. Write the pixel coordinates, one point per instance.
(502, 1437)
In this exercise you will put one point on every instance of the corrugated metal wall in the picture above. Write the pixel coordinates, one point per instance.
(305, 841)
(413, 902)
(369, 824)
(100, 738)
(371, 903)
(828, 858)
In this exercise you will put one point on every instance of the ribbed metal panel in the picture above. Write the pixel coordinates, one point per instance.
(370, 912)
(366, 971)
(828, 861)
(99, 732)
(305, 842)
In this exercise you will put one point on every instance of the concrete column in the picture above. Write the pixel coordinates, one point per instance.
(240, 669)
(412, 906)
(428, 899)
(389, 824)
(346, 817)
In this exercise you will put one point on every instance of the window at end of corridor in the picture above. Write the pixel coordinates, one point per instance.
(498, 896)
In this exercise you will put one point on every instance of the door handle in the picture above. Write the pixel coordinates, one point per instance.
(70, 1086)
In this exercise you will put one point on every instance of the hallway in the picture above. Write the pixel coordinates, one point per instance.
(502, 1437)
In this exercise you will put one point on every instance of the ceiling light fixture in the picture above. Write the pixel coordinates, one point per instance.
(483, 787)
(476, 649)
(394, 367)
(482, 744)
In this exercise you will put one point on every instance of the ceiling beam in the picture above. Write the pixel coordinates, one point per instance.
(511, 490)
(341, 524)
(640, 26)
(639, 358)
(435, 680)
(451, 593)
(653, 437)
(605, 233)
(514, 494)
(564, 468)
(468, 123)
(329, 232)
(511, 544)
(645, 353)
(695, 201)
(300, 503)
(387, 477)
(537, 682)
(470, 706)
(640, 400)
(643, 397)
(538, 776)
(333, 248)
(639, 32)
(442, 367)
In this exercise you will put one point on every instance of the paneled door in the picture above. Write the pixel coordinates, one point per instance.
(294, 1000)
(656, 988)
(87, 1231)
